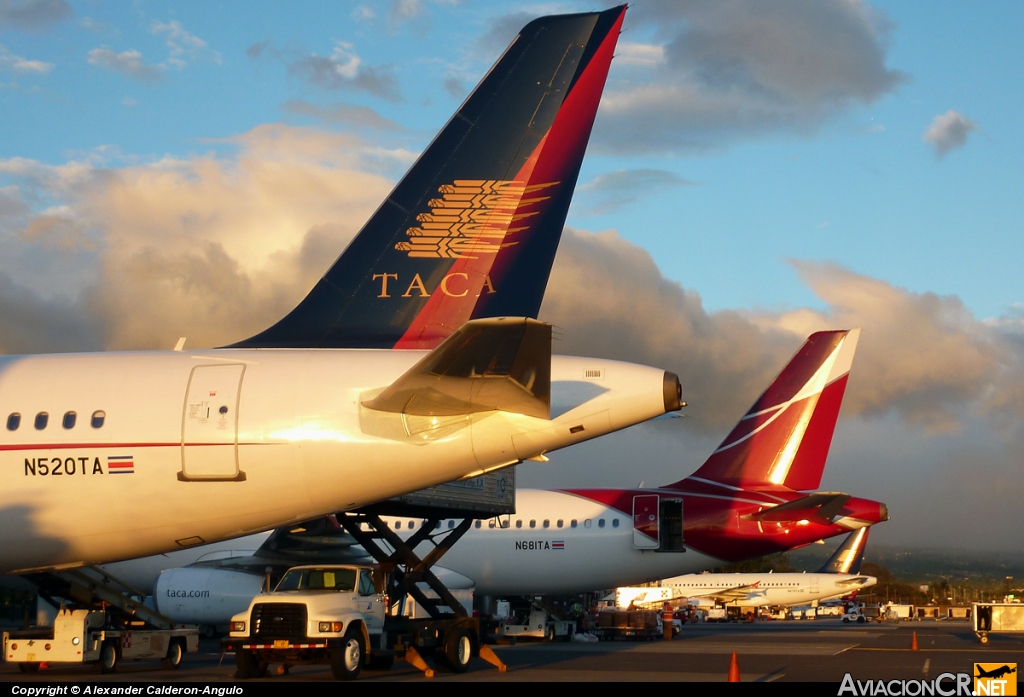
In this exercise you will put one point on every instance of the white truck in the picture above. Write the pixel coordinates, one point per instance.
(91, 636)
(338, 615)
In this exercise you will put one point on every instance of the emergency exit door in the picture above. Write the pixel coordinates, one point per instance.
(209, 425)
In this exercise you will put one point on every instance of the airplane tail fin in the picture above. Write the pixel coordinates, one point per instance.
(848, 557)
(783, 440)
(471, 230)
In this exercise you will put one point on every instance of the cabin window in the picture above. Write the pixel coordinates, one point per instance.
(412, 524)
(477, 524)
(600, 522)
(398, 525)
(615, 523)
(13, 421)
(519, 523)
(451, 524)
(547, 523)
(572, 523)
(586, 523)
(41, 419)
(69, 419)
(533, 523)
(98, 417)
(559, 523)
(437, 526)
(490, 523)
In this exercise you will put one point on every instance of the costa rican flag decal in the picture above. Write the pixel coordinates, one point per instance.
(557, 544)
(120, 464)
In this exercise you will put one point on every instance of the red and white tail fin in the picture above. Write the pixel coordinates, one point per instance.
(783, 440)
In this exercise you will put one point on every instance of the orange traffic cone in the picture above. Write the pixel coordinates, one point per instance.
(913, 642)
(734, 669)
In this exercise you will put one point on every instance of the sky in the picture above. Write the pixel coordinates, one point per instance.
(757, 171)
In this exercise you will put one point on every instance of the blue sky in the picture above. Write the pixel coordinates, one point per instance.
(757, 171)
(859, 187)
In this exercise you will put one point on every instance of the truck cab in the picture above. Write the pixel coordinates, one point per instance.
(316, 614)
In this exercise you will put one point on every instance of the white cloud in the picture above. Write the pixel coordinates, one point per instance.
(129, 63)
(184, 46)
(646, 55)
(949, 131)
(9, 60)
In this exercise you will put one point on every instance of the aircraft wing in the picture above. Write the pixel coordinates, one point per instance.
(823, 507)
(501, 364)
(732, 595)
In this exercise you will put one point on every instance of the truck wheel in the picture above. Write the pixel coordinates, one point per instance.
(175, 652)
(108, 657)
(457, 650)
(248, 666)
(347, 659)
(549, 633)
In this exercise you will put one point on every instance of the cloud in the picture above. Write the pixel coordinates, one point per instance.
(127, 63)
(213, 248)
(619, 188)
(646, 55)
(343, 69)
(923, 358)
(455, 88)
(184, 46)
(33, 15)
(9, 60)
(949, 131)
(341, 113)
(740, 69)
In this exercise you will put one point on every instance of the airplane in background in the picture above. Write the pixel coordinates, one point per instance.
(839, 577)
(742, 503)
(117, 455)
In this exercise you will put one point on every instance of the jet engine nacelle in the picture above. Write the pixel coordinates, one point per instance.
(197, 595)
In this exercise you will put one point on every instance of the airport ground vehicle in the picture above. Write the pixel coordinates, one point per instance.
(537, 624)
(341, 615)
(997, 618)
(854, 614)
(96, 636)
(639, 625)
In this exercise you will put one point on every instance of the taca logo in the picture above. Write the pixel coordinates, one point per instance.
(472, 217)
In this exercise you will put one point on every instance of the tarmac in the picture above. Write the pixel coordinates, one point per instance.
(822, 650)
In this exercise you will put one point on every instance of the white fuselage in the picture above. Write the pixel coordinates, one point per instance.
(514, 560)
(196, 447)
(766, 590)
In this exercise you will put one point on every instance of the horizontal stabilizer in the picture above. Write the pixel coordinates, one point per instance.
(822, 507)
(501, 364)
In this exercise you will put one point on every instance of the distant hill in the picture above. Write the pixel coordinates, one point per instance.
(923, 564)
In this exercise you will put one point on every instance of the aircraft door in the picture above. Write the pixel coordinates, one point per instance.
(645, 521)
(814, 584)
(209, 425)
(671, 528)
